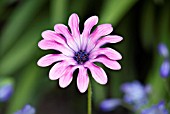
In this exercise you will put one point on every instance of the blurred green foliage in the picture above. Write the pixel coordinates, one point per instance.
(143, 24)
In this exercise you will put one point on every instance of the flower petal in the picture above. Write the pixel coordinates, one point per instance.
(51, 35)
(89, 23)
(108, 39)
(59, 69)
(112, 64)
(82, 79)
(100, 31)
(67, 77)
(73, 22)
(51, 58)
(62, 29)
(97, 73)
(48, 44)
(110, 53)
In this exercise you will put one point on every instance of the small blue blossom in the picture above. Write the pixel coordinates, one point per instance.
(110, 104)
(156, 109)
(135, 93)
(165, 69)
(6, 89)
(27, 109)
(163, 50)
(6, 92)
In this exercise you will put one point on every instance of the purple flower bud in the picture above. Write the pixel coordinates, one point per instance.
(109, 104)
(163, 50)
(165, 69)
(156, 109)
(6, 92)
(27, 109)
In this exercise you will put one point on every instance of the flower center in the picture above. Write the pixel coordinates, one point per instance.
(81, 57)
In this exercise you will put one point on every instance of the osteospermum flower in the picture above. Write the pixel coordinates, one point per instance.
(79, 51)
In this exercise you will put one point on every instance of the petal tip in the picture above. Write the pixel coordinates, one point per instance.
(103, 82)
(82, 90)
(51, 76)
(39, 63)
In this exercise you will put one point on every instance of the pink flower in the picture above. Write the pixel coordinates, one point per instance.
(79, 51)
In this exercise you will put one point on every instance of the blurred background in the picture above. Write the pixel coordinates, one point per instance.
(142, 23)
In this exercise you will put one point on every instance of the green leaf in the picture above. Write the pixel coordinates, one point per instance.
(114, 10)
(154, 78)
(58, 11)
(18, 22)
(148, 24)
(24, 50)
(25, 88)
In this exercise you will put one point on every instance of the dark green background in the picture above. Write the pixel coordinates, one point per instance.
(142, 23)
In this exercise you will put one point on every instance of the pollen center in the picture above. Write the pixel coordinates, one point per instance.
(81, 57)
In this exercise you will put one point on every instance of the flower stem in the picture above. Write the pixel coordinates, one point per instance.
(89, 99)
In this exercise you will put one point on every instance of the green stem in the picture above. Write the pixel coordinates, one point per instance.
(89, 99)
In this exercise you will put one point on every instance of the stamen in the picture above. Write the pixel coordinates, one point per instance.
(81, 57)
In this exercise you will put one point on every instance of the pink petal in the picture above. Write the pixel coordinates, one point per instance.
(110, 53)
(48, 44)
(51, 35)
(114, 65)
(67, 77)
(100, 31)
(58, 70)
(97, 73)
(82, 79)
(51, 58)
(89, 23)
(62, 29)
(74, 25)
(108, 39)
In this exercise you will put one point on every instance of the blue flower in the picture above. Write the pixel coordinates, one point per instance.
(156, 109)
(135, 93)
(163, 50)
(6, 90)
(165, 69)
(110, 104)
(27, 109)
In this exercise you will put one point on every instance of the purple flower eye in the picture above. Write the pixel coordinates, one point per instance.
(79, 51)
(163, 50)
(165, 69)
